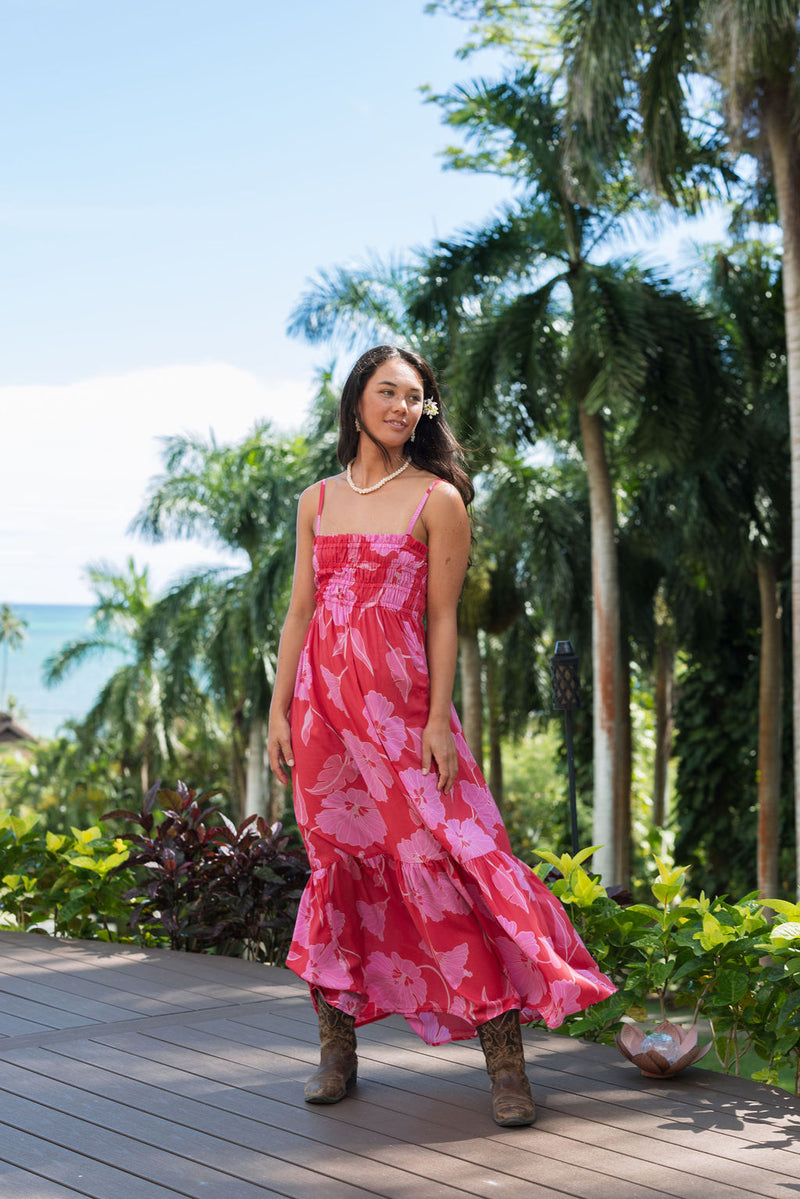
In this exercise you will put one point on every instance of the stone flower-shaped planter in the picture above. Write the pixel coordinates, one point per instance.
(662, 1052)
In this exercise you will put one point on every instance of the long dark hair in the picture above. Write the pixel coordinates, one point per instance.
(434, 447)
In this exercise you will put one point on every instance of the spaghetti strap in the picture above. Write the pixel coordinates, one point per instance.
(420, 506)
(321, 501)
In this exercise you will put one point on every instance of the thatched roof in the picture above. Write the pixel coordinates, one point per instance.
(11, 732)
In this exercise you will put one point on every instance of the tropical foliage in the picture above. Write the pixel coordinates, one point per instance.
(190, 879)
(207, 885)
(12, 635)
(631, 446)
(733, 966)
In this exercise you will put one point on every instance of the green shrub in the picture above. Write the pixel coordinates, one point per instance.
(70, 884)
(726, 963)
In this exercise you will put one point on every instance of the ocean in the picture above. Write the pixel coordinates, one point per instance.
(43, 709)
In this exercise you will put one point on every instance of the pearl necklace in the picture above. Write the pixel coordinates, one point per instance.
(366, 490)
(387, 479)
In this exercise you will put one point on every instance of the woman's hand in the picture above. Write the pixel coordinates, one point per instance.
(438, 746)
(279, 747)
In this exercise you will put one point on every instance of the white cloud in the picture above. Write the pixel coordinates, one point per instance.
(76, 461)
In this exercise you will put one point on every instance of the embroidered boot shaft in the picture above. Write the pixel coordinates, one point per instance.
(501, 1041)
(338, 1063)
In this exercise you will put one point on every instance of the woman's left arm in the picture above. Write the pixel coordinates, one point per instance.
(447, 524)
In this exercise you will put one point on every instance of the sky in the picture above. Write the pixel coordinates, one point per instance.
(172, 174)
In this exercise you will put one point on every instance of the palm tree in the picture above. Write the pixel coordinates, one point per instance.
(718, 524)
(132, 702)
(596, 353)
(221, 627)
(12, 635)
(645, 68)
(745, 286)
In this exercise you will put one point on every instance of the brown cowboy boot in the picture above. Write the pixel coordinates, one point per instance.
(501, 1041)
(337, 1062)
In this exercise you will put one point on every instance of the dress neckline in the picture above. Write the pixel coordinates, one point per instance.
(371, 537)
(407, 533)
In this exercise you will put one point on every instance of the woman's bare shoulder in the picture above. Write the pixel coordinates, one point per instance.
(445, 496)
(310, 497)
(445, 509)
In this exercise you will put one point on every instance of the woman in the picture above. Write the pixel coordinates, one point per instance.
(415, 903)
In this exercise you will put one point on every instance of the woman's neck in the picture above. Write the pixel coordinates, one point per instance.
(369, 464)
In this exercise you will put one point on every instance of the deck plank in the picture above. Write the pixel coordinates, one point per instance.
(148, 1073)
(461, 1107)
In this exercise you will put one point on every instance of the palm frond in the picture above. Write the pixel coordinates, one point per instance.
(353, 306)
(73, 654)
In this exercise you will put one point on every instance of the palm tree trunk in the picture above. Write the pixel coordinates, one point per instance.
(255, 801)
(770, 729)
(277, 799)
(472, 694)
(665, 674)
(238, 770)
(605, 645)
(622, 818)
(145, 773)
(495, 753)
(780, 120)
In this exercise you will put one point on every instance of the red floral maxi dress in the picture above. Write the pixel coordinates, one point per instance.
(415, 903)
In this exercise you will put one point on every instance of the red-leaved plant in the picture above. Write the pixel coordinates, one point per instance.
(206, 885)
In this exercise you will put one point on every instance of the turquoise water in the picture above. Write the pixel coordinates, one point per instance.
(42, 709)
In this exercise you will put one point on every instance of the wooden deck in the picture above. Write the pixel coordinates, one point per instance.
(132, 1074)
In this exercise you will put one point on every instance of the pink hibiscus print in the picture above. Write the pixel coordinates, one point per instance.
(461, 745)
(421, 846)
(436, 895)
(422, 792)
(385, 544)
(370, 762)
(509, 886)
(467, 839)
(430, 1029)
(398, 672)
(334, 685)
(527, 980)
(565, 999)
(300, 804)
(453, 964)
(308, 723)
(402, 576)
(302, 925)
(482, 804)
(557, 924)
(339, 595)
(336, 772)
(372, 916)
(412, 635)
(323, 966)
(351, 817)
(538, 949)
(389, 729)
(394, 983)
(334, 921)
(302, 687)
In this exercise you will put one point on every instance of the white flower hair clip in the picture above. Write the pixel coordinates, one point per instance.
(430, 407)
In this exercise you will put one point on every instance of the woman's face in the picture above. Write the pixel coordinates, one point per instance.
(391, 402)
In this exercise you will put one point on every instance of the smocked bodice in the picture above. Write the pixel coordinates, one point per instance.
(367, 570)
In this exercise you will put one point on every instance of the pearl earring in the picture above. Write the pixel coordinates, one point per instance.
(413, 433)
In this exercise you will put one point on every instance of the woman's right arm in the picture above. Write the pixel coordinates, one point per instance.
(301, 609)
